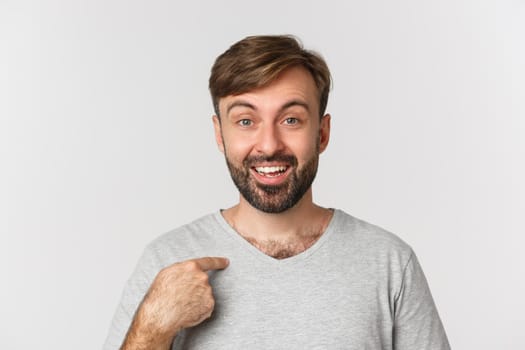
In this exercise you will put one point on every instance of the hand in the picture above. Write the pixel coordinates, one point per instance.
(179, 297)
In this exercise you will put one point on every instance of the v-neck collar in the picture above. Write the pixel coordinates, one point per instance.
(271, 260)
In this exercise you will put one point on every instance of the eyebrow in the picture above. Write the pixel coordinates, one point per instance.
(239, 104)
(293, 103)
(284, 107)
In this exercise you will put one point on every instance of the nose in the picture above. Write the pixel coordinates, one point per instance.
(269, 140)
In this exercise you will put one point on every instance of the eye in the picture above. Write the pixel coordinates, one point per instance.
(291, 121)
(245, 122)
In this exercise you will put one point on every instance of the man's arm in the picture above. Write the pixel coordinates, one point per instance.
(417, 323)
(179, 297)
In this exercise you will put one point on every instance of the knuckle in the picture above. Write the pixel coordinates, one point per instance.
(203, 277)
(164, 271)
(207, 307)
(163, 274)
(209, 300)
(211, 304)
(190, 265)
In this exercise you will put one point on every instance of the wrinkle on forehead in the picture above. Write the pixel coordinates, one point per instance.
(295, 86)
(285, 106)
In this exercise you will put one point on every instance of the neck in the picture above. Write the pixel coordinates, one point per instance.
(304, 220)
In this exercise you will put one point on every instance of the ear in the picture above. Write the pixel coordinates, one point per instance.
(218, 133)
(324, 132)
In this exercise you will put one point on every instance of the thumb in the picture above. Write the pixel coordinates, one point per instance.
(212, 263)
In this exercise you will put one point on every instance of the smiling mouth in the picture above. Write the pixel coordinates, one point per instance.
(271, 171)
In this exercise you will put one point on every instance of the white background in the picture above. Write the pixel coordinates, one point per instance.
(107, 142)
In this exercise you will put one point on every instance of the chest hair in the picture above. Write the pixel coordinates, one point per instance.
(284, 249)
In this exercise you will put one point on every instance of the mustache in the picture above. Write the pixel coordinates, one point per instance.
(281, 158)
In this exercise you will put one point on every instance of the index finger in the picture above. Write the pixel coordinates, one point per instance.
(212, 263)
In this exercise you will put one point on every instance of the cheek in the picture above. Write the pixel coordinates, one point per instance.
(306, 148)
(236, 151)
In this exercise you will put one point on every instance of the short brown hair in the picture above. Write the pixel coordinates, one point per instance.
(256, 61)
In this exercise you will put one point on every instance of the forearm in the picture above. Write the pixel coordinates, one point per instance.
(144, 336)
(180, 297)
(138, 341)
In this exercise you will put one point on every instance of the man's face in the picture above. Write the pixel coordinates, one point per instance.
(271, 138)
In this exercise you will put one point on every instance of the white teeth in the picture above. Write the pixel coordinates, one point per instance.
(270, 169)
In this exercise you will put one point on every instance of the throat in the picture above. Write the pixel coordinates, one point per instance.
(279, 242)
(284, 249)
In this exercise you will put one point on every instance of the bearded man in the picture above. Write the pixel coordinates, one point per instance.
(275, 270)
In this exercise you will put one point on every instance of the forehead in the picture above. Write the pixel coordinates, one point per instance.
(294, 83)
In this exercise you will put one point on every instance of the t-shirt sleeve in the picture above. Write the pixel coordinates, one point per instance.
(417, 325)
(134, 291)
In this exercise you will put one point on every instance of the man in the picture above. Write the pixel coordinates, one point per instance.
(276, 270)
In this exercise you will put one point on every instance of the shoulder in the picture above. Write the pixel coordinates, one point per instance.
(369, 239)
(199, 228)
(185, 242)
(367, 231)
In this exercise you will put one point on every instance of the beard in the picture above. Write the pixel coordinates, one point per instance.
(274, 198)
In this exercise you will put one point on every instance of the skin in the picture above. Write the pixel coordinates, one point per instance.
(282, 117)
(179, 297)
(269, 132)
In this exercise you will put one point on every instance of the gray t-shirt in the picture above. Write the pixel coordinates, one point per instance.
(357, 287)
